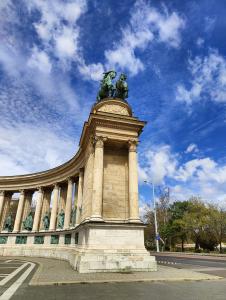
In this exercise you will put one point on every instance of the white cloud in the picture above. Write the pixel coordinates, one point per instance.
(197, 177)
(192, 148)
(196, 167)
(59, 33)
(57, 27)
(40, 60)
(26, 149)
(160, 163)
(200, 42)
(146, 24)
(143, 207)
(34, 72)
(66, 43)
(91, 71)
(208, 79)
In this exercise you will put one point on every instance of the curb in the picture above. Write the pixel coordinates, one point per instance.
(59, 283)
(191, 254)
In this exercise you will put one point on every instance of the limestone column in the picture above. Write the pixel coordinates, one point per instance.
(38, 210)
(68, 206)
(19, 212)
(2, 201)
(133, 183)
(27, 205)
(98, 179)
(80, 196)
(6, 207)
(53, 217)
(62, 197)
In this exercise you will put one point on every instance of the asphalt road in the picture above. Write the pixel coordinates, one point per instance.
(208, 265)
(14, 273)
(17, 288)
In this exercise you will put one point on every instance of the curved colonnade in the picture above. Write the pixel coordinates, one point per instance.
(97, 194)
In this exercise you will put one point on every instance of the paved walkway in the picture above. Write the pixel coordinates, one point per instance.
(58, 272)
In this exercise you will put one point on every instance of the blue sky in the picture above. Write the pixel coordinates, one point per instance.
(52, 56)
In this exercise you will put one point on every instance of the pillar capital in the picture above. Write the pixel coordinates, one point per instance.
(81, 172)
(56, 185)
(22, 192)
(99, 141)
(69, 179)
(132, 145)
(40, 189)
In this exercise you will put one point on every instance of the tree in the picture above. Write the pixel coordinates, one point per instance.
(197, 221)
(149, 231)
(177, 211)
(218, 224)
(182, 221)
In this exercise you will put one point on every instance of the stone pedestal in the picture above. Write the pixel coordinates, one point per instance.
(113, 248)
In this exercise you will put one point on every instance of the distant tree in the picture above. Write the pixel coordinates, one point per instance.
(218, 224)
(183, 221)
(197, 222)
(149, 231)
(178, 230)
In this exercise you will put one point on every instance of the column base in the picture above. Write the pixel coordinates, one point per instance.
(131, 220)
(96, 218)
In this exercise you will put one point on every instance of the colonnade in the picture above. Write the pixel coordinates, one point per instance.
(60, 196)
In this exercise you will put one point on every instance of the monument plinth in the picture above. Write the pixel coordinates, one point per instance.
(102, 232)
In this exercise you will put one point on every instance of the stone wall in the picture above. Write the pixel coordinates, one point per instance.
(115, 190)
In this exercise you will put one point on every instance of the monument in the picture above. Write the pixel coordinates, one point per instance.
(87, 209)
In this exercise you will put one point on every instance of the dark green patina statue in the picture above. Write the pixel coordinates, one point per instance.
(28, 222)
(21, 239)
(45, 221)
(73, 216)
(61, 219)
(3, 239)
(9, 223)
(39, 239)
(109, 89)
(121, 87)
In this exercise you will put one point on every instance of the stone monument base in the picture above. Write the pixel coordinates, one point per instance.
(95, 247)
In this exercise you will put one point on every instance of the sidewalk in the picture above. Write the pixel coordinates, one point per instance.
(192, 255)
(58, 272)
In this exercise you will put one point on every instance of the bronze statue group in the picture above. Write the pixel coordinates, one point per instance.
(28, 222)
(109, 89)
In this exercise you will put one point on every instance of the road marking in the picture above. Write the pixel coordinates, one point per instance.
(8, 261)
(12, 289)
(11, 275)
(7, 267)
(166, 262)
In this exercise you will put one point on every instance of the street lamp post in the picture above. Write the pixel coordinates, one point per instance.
(155, 216)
